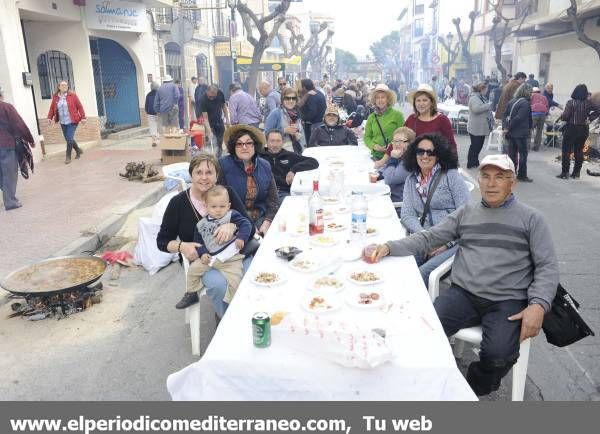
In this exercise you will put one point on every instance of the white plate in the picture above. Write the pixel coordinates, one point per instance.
(280, 279)
(328, 215)
(371, 282)
(329, 304)
(343, 210)
(330, 200)
(351, 253)
(336, 228)
(310, 264)
(323, 240)
(372, 234)
(324, 288)
(353, 299)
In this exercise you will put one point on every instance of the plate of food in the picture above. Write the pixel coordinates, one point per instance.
(371, 232)
(268, 278)
(328, 215)
(365, 300)
(365, 278)
(321, 303)
(327, 283)
(323, 240)
(335, 227)
(303, 264)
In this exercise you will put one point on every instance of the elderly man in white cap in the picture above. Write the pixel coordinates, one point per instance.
(165, 104)
(504, 276)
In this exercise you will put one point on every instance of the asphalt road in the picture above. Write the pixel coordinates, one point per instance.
(125, 347)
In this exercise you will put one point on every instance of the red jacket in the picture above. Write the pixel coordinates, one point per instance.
(539, 103)
(75, 108)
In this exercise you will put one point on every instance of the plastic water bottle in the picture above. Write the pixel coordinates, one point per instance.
(359, 214)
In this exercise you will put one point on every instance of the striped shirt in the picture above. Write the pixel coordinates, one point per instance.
(578, 112)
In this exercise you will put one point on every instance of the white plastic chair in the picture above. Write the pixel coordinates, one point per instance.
(175, 167)
(495, 140)
(192, 314)
(473, 335)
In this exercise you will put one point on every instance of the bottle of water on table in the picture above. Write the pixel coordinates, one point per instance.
(359, 215)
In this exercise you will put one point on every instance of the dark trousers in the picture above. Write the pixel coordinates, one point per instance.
(474, 150)
(9, 170)
(69, 134)
(499, 349)
(307, 130)
(574, 138)
(218, 131)
(517, 152)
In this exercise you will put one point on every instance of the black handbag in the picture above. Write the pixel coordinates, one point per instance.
(563, 325)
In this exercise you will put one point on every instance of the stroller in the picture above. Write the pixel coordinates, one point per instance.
(554, 128)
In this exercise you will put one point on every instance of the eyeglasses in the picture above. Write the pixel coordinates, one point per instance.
(399, 142)
(429, 152)
(290, 98)
(282, 83)
(244, 144)
(499, 178)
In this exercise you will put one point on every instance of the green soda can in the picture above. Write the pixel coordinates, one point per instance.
(261, 329)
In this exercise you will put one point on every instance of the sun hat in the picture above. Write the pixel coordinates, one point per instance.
(423, 88)
(381, 87)
(501, 161)
(260, 136)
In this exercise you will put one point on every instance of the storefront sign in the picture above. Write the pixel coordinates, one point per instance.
(116, 15)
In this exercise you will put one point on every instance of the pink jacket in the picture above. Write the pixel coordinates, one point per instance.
(539, 103)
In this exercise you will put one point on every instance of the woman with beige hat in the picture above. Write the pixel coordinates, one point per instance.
(426, 119)
(382, 123)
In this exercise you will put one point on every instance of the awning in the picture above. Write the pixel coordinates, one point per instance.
(244, 64)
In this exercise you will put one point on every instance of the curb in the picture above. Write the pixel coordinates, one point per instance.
(103, 231)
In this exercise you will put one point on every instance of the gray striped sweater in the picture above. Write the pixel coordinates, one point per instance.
(504, 253)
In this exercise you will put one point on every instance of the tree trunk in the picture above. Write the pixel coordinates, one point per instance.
(254, 69)
(498, 59)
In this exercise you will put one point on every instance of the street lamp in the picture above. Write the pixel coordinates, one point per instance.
(232, 33)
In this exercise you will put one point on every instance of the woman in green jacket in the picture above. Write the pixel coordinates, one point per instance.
(382, 123)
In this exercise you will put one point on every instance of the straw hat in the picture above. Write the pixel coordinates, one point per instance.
(332, 110)
(381, 87)
(243, 127)
(423, 88)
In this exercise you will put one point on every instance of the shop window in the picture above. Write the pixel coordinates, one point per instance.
(53, 67)
(202, 66)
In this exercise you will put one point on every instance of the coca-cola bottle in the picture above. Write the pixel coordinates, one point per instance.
(315, 206)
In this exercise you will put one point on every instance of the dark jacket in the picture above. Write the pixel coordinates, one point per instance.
(234, 175)
(520, 122)
(198, 94)
(313, 109)
(286, 161)
(550, 98)
(322, 135)
(14, 122)
(149, 106)
(179, 219)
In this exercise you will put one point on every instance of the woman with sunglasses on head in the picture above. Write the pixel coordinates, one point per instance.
(249, 175)
(393, 170)
(286, 119)
(433, 169)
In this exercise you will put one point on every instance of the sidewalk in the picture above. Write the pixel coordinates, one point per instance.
(63, 204)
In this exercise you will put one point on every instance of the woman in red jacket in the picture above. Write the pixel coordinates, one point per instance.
(67, 109)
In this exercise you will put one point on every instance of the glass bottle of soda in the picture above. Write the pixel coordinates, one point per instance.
(315, 205)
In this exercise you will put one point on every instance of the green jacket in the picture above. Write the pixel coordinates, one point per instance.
(390, 121)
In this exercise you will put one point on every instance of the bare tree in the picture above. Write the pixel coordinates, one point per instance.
(579, 27)
(503, 27)
(265, 37)
(464, 42)
(451, 50)
(310, 50)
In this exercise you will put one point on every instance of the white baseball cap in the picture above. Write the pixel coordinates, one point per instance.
(502, 161)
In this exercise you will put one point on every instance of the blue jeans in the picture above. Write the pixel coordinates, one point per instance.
(9, 174)
(427, 266)
(458, 308)
(216, 286)
(69, 132)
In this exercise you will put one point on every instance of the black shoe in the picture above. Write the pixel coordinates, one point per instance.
(562, 176)
(188, 299)
(78, 151)
(575, 175)
(17, 205)
(524, 179)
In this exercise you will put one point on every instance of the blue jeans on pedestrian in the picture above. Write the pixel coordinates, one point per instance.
(69, 132)
(216, 286)
(426, 266)
(499, 350)
(9, 174)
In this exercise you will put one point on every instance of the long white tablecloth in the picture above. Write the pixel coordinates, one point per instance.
(357, 164)
(423, 367)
